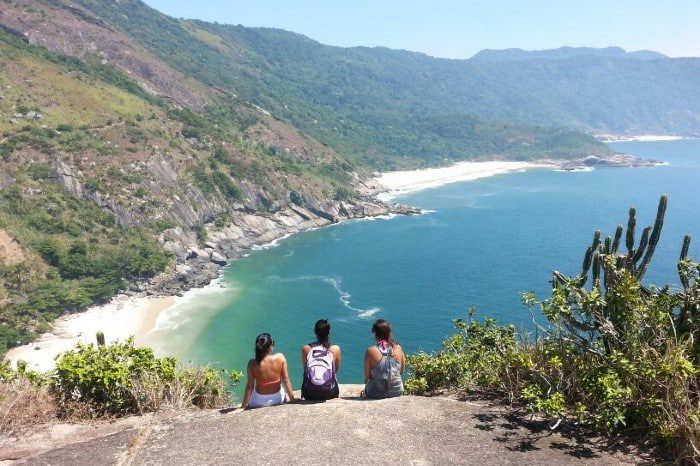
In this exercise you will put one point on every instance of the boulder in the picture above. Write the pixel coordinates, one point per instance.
(218, 259)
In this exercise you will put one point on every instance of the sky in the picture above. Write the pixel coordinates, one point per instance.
(459, 29)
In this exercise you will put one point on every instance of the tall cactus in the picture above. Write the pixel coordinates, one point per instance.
(100, 337)
(683, 257)
(607, 260)
(641, 269)
(636, 260)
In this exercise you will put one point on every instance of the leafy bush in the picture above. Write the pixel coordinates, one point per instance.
(121, 379)
(475, 356)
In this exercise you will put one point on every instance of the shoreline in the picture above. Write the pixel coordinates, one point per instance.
(123, 317)
(141, 315)
(399, 183)
(639, 138)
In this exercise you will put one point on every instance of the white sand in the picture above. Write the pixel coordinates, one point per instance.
(122, 318)
(648, 138)
(404, 182)
(652, 137)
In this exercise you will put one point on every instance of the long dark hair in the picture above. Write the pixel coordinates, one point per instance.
(263, 342)
(382, 330)
(322, 329)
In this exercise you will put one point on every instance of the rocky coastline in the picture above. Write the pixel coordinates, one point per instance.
(602, 161)
(199, 262)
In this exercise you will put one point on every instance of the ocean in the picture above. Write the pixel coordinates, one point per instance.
(480, 244)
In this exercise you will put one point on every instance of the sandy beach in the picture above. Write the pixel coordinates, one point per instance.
(639, 138)
(403, 182)
(122, 318)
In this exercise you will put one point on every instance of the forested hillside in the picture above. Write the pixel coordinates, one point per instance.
(362, 104)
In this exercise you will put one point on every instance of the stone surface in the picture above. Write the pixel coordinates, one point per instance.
(218, 258)
(349, 430)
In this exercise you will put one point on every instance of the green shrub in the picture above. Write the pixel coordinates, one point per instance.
(121, 379)
(475, 356)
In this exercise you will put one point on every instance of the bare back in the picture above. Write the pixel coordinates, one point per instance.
(269, 373)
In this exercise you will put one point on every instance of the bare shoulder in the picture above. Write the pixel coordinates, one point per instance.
(335, 348)
(280, 357)
(372, 350)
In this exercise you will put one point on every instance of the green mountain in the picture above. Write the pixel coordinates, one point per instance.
(372, 103)
(134, 145)
(373, 106)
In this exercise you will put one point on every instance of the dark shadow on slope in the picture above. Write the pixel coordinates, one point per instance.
(520, 431)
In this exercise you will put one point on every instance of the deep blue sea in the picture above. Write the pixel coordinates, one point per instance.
(482, 244)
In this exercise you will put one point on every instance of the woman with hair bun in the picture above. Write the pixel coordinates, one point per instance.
(321, 361)
(266, 375)
(384, 364)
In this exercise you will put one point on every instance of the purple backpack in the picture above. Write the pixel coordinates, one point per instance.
(319, 376)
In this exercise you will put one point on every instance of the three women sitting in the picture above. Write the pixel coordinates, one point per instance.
(267, 373)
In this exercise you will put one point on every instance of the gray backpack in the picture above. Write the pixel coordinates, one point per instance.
(386, 374)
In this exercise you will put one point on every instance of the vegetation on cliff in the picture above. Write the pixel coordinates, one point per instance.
(617, 355)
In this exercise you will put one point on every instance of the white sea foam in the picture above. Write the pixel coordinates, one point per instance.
(376, 217)
(272, 244)
(343, 296)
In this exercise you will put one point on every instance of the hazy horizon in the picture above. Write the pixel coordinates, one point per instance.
(458, 30)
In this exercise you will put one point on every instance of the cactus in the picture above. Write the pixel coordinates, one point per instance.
(685, 248)
(100, 336)
(643, 242)
(683, 257)
(631, 225)
(653, 239)
(606, 260)
(636, 260)
(616, 241)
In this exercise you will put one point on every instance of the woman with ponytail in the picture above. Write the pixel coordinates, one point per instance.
(384, 364)
(267, 374)
(321, 361)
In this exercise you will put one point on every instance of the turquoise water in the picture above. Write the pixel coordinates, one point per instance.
(483, 243)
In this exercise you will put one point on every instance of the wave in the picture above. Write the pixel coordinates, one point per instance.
(376, 217)
(343, 296)
(272, 244)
